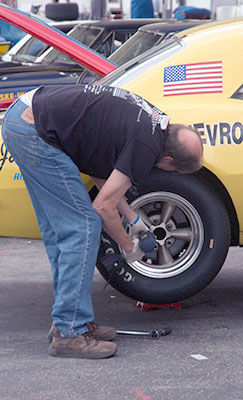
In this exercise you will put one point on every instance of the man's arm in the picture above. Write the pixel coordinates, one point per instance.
(123, 207)
(106, 205)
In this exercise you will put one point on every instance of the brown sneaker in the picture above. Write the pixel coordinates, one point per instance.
(82, 346)
(101, 332)
(98, 332)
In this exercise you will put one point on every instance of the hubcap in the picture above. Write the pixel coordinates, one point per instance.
(178, 230)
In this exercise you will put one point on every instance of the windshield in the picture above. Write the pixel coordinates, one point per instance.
(30, 50)
(136, 45)
(84, 34)
(143, 63)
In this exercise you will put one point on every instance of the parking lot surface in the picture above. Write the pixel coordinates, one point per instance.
(201, 359)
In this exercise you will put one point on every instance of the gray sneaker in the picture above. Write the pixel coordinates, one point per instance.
(98, 332)
(82, 346)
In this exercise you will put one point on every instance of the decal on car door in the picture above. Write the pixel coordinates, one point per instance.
(221, 133)
(197, 78)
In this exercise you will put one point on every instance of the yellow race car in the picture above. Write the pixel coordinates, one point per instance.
(195, 77)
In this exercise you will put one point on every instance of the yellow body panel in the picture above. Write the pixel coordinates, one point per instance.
(17, 216)
(4, 46)
(217, 116)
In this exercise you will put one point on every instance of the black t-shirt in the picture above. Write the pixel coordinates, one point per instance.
(101, 128)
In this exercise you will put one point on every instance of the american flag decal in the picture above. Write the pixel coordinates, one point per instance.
(205, 77)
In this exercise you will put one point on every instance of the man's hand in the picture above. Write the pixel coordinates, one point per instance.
(136, 254)
(111, 222)
(138, 228)
(106, 202)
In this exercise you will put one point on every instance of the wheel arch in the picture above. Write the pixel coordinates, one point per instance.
(216, 185)
(208, 178)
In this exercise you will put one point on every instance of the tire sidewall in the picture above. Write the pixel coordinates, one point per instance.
(212, 255)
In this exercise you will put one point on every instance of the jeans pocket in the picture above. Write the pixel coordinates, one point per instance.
(23, 148)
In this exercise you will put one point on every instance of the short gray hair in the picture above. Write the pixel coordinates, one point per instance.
(184, 160)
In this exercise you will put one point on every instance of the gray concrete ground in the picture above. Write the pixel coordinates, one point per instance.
(209, 325)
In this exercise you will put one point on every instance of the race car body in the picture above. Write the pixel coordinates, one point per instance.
(195, 77)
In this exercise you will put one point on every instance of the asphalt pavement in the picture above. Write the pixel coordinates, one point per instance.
(201, 359)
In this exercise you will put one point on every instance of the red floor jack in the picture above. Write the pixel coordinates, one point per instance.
(148, 306)
(147, 243)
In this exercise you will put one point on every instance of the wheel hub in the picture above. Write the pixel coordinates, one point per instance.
(178, 230)
(160, 233)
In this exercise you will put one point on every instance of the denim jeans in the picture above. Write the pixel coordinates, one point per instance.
(69, 226)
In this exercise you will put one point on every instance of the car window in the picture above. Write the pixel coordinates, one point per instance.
(122, 36)
(144, 62)
(86, 35)
(104, 43)
(238, 94)
(33, 47)
(30, 50)
(136, 45)
(108, 42)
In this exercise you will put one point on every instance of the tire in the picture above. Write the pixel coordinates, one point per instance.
(62, 11)
(192, 231)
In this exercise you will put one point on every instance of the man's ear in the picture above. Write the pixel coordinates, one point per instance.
(166, 163)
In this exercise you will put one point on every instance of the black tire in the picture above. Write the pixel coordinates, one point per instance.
(62, 11)
(177, 206)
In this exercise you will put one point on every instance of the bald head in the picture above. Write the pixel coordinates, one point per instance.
(191, 141)
(183, 150)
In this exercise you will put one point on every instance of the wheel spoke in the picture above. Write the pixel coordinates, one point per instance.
(183, 233)
(179, 233)
(164, 256)
(144, 217)
(167, 211)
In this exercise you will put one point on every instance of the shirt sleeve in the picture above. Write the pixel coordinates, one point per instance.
(136, 160)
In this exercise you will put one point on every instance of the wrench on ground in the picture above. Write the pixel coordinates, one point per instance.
(154, 334)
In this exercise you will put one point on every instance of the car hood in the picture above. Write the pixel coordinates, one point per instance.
(15, 84)
(8, 68)
(8, 64)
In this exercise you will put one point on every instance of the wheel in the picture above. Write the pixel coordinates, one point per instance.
(192, 232)
(62, 11)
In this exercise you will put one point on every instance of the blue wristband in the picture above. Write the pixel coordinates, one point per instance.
(134, 222)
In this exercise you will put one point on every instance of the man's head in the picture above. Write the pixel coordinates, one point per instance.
(183, 151)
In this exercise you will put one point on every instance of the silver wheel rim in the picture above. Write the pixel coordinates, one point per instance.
(179, 234)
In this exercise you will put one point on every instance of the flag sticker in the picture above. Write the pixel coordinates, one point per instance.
(205, 77)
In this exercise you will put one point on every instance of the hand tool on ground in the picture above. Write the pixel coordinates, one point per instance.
(154, 334)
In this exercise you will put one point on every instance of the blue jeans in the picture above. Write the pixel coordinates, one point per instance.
(69, 226)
